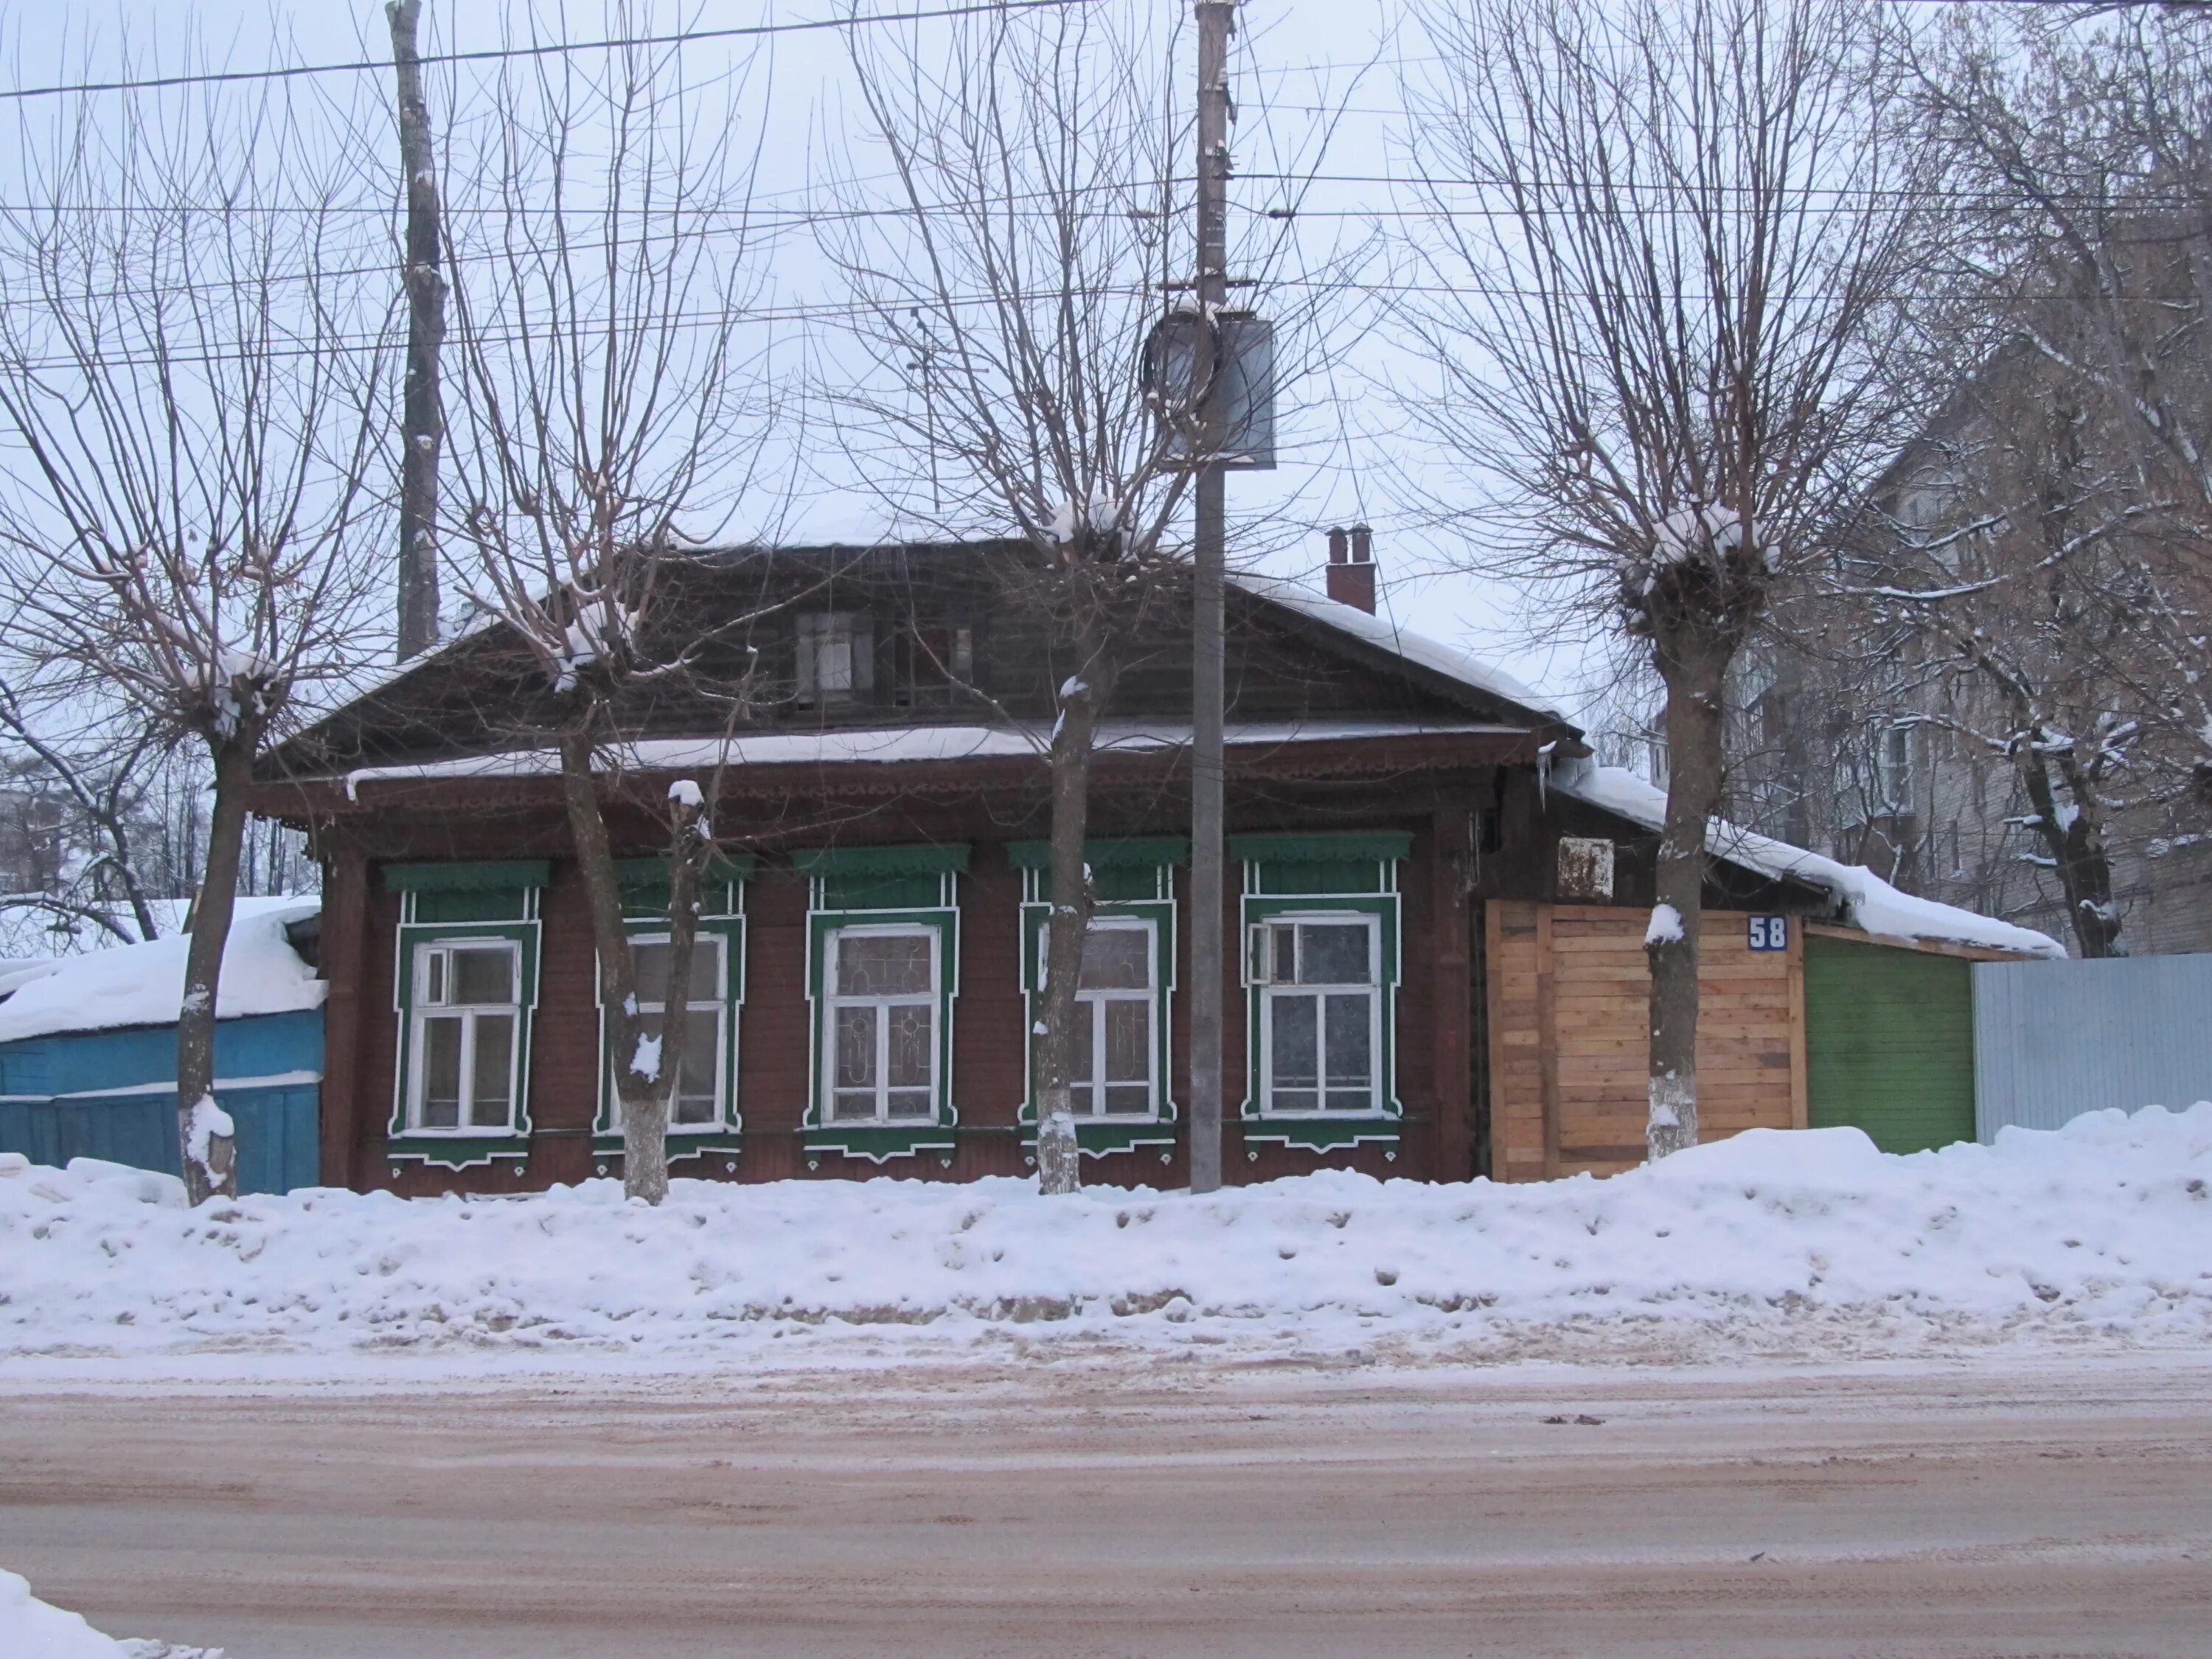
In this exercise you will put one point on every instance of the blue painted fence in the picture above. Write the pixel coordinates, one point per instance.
(113, 1094)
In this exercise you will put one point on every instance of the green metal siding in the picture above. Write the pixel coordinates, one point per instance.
(1889, 1043)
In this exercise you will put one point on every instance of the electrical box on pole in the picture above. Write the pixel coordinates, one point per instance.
(1242, 348)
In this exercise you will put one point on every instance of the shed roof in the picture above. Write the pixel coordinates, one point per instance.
(1864, 900)
(144, 984)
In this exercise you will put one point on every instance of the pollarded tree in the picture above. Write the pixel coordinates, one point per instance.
(598, 429)
(1663, 235)
(196, 422)
(1003, 284)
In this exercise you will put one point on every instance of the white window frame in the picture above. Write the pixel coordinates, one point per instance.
(1260, 955)
(1094, 1001)
(718, 1006)
(813, 629)
(833, 1117)
(419, 1014)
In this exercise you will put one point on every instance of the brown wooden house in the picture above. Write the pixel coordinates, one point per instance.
(1440, 974)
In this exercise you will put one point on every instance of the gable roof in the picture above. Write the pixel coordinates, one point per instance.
(403, 721)
(1417, 651)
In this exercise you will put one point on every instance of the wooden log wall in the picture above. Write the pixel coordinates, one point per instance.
(1569, 1013)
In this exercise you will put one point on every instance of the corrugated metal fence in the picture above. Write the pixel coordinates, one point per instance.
(2055, 1039)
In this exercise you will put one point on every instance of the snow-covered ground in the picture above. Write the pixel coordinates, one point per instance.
(2099, 1232)
(29, 1629)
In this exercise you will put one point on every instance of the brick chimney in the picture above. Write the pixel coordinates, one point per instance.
(1352, 568)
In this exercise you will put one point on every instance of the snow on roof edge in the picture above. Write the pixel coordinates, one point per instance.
(1869, 902)
(1433, 654)
(139, 985)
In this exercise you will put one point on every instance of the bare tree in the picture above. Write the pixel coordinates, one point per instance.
(2077, 152)
(2009, 578)
(602, 269)
(1683, 220)
(1002, 292)
(197, 420)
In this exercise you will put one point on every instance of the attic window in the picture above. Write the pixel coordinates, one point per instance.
(836, 656)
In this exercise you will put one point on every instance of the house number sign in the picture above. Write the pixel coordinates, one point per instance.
(1769, 932)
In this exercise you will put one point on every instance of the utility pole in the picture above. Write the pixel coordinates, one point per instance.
(422, 422)
(1217, 18)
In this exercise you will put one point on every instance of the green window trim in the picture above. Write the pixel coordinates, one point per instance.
(724, 1137)
(462, 1149)
(925, 859)
(1317, 876)
(462, 876)
(1097, 1137)
(916, 887)
(645, 885)
(1147, 852)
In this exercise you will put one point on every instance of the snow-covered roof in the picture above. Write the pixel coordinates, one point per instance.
(901, 744)
(1868, 903)
(1418, 649)
(144, 984)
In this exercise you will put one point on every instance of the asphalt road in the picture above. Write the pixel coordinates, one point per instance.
(1993, 1509)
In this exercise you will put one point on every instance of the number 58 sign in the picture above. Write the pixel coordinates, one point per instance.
(1769, 932)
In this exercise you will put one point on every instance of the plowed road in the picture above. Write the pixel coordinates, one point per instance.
(1996, 1508)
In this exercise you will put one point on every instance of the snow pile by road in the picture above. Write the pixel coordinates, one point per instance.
(2101, 1228)
(29, 1629)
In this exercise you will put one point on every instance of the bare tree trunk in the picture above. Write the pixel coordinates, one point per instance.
(1059, 1157)
(1693, 667)
(642, 1101)
(422, 421)
(207, 1135)
(689, 848)
(2075, 839)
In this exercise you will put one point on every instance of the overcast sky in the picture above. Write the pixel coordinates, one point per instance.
(1304, 69)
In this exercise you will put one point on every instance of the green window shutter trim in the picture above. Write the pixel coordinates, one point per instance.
(915, 860)
(654, 872)
(1147, 852)
(1363, 846)
(467, 875)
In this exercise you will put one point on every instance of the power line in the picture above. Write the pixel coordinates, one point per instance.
(681, 37)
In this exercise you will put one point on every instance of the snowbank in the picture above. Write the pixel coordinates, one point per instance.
(29, 1629)
(144, 984)
(1869, 902)
(2099, 1229)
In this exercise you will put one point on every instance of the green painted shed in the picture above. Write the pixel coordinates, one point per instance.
(1889, 1041)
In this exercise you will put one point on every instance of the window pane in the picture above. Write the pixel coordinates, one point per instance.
(856, 1048)
(1117, 959)
(1082, 1062)
(1294, 1100)
(1284, 941)
(833, 659)
(1350, 1033)
(483, 975)
(1129, 1040)
(1129, 1100)
(1333, 954)
(651, 960)
(882, 964)
(492, 1077)
(909, 1058)
(1292, 1049)
(853, 1106)
(441, 1073)
(696, 1101)
(908, 1104)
